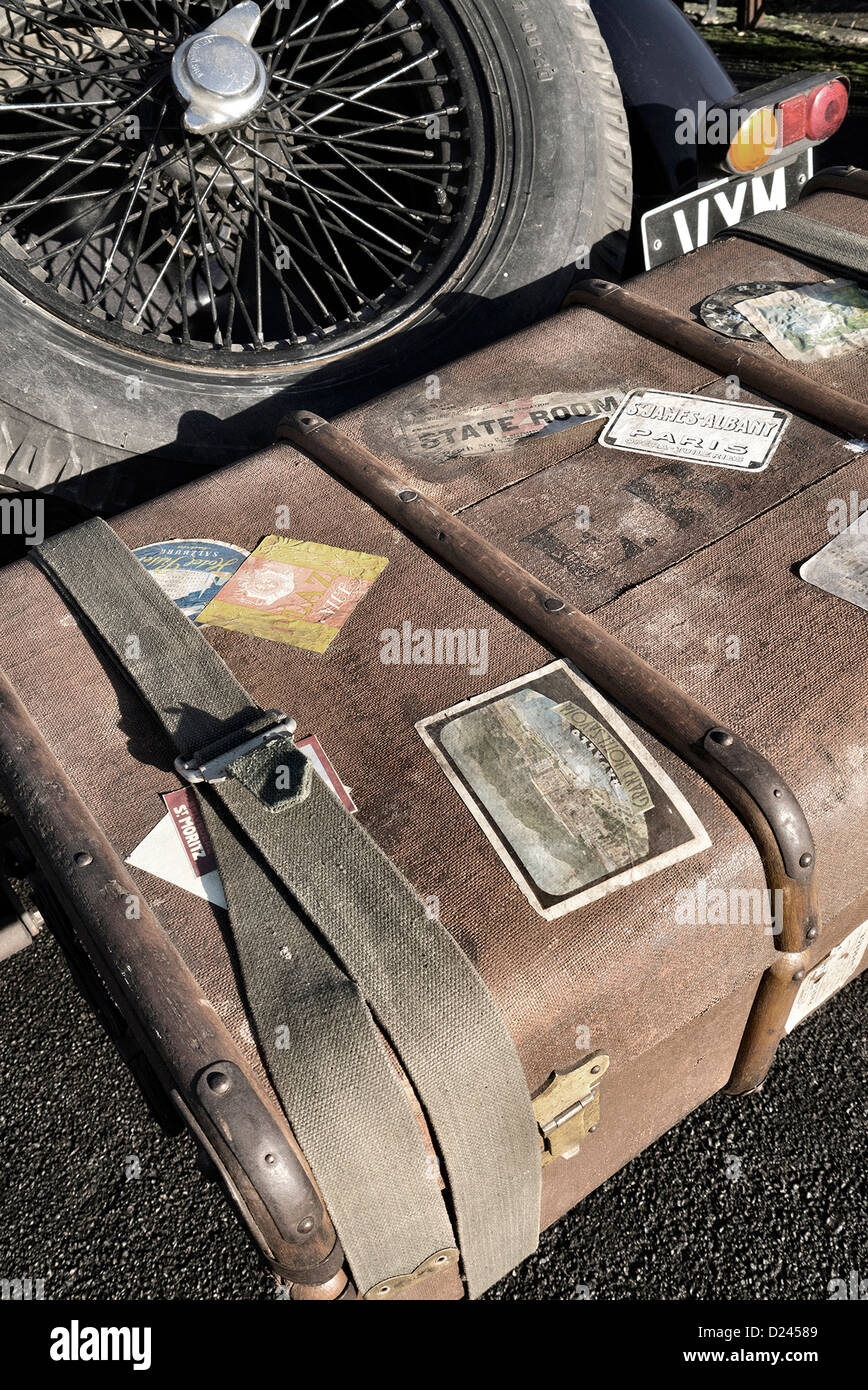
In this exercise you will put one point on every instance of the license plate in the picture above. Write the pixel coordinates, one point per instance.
(681, 226)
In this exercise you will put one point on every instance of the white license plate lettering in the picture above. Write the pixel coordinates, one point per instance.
(685, 224)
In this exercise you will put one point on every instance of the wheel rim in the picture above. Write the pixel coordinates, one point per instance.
(304, 228)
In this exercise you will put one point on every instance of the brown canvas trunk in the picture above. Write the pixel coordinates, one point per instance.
(692, 567)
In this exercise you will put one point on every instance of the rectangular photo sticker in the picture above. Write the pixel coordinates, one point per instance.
(572, 802)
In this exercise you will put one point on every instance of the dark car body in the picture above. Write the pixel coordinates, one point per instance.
(664, 65)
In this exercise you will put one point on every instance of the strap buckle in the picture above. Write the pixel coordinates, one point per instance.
(203, 766)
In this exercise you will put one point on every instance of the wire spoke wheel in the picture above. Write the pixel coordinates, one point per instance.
(310, 223)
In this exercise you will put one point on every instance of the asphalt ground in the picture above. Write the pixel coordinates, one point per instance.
(758, 1198)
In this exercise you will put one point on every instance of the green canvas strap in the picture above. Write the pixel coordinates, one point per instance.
(834, 248)
(328, 933)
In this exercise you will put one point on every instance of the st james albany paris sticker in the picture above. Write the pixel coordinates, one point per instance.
(569, 798)
(696, 429)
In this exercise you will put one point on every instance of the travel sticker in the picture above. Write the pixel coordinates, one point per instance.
(813, 322)
(441, 435)
(719, 311)
(191, 572)
(572, 802)
(696, 429)
(165, 854)
(830, 975)
(179, 850)
(190, 829)
(298, 592)
(841, 567)
(325, 769)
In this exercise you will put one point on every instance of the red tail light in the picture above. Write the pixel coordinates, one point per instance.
(815, 114)
(793, 115)
(826, 109)
(781, 119)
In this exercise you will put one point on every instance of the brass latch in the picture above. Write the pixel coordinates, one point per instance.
(387, 1288)
(568, 1107)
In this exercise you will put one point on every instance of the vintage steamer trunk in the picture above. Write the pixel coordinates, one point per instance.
(640, 995)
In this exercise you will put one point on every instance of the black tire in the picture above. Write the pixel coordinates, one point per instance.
(76, 401)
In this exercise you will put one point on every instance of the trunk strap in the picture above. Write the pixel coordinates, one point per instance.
(330, 936)
(832, 248)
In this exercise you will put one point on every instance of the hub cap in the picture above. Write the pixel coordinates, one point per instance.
(218, 73)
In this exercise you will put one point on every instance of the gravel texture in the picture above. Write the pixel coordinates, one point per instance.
(758, 1198)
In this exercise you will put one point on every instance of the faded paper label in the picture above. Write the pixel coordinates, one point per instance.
(298, 592)
(830, 975)
(812, 322)
(841, 567)
(191, 831)
(163, 854)
(444, 434)
(191, 572)
(697, 429)
(572, 802)
(323, 765)
(720, 310)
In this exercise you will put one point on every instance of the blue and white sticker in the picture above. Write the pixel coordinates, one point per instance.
(192, 572)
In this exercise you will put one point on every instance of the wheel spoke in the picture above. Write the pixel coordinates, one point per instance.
(133, 196)
(306, 244)
(179, 242)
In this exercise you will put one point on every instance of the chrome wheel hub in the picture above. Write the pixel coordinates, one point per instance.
(218, 74)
